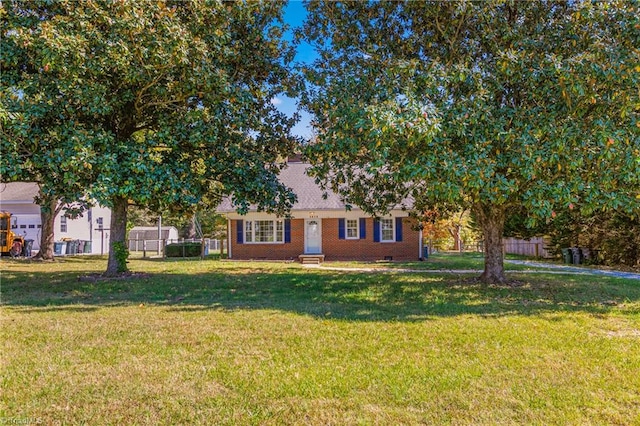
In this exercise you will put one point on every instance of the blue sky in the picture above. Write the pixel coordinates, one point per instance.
(295, 14)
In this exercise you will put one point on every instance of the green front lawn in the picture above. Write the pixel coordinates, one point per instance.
(221, 342)
(439, 261)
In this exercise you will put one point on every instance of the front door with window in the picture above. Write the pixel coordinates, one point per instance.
(312, 236)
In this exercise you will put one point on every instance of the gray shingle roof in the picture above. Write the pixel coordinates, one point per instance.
(18, 192)
(310, 196)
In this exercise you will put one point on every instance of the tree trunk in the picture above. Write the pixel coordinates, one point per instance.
(454, 231)
(48, 212)
(191, 228)
(118, 251)
(454, 235)
(491, 219)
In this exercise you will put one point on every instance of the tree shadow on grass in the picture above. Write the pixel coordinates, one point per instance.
(323, 294)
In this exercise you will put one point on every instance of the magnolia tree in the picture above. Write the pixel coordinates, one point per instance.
(152, 103)
(39, 141)
(488, 106)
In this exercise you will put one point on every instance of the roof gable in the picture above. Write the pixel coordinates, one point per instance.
(309, 194)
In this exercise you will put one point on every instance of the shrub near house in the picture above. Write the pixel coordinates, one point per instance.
(184, 249)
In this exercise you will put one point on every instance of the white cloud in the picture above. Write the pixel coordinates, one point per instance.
(276, 101)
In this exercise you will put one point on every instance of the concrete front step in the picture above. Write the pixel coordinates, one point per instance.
(311, 259)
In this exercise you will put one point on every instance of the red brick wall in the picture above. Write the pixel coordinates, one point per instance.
(332, 247)
(366, 249)
(269, 251)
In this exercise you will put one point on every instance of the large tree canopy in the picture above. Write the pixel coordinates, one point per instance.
(157, 103)
(484, 105)
(38, 142)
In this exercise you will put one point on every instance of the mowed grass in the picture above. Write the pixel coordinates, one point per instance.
(222, 342)
(440, 261)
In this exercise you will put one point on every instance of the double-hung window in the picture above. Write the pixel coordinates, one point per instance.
(387, 230)
(264, 231)
(63, 224)
(352, 228)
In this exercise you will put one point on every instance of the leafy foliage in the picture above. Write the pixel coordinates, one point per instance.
(615, 236)
(489, 106)
(183, 250)
(121, 253)
(453, 231)
(156, 103)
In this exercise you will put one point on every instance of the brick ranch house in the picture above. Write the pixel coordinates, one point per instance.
(319, 228)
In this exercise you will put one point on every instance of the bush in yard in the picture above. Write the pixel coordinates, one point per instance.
(183, 250)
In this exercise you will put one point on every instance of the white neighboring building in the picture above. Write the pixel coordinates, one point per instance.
(147, 237)
(93, 225)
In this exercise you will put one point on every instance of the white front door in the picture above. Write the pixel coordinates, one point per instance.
(312, 236)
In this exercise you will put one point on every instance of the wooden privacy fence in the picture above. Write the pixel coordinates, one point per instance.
(535, 247)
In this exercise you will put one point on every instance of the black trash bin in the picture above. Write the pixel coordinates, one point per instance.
(577, 255)
(425, 252)
(72, 247)
(27, 248)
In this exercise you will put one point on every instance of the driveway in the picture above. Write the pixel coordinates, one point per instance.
(576, 269)
(549, 268)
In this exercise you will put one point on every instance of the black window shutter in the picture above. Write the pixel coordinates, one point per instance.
(376, 230)
(363, 228)
(287, 230)
(398, 229)
(239, 229)
(341, 229)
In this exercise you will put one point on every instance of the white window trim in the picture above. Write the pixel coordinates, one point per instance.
(346, 229)
(393, 228)
(245, 235)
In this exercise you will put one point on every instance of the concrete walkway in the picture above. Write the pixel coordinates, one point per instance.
(549, 268)
(576, 269)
